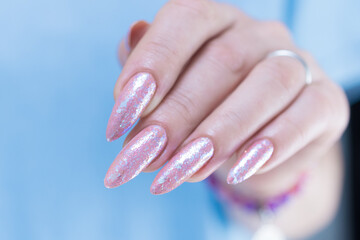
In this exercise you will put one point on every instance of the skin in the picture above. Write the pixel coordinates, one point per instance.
(214, 81)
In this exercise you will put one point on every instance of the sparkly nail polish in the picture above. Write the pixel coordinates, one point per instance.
(183, 165)
(250, 161)
(133, 99)
(136, 155)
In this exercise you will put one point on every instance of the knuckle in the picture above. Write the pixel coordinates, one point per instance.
(195, 9)
(225, 57)
(156, 49)
(241, 16)
(278, 26)
(237, 14)
(276, 29)
(285, 73)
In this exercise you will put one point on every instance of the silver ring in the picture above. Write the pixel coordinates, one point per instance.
(288, 53)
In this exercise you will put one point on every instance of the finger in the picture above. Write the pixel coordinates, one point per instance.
(268, 89)
(227, 58)
(211, 76)
(185, 106)
(129, 42)
(154, 65)
(291, 132)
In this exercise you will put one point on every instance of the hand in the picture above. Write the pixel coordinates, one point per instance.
(200, 80)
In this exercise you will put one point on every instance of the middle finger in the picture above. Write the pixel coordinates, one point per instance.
(268, 89)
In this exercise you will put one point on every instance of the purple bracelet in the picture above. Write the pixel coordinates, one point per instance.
(226, 194)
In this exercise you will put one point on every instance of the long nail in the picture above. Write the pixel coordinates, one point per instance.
(133, 99)
(183, 165)
(137, 155)
(250, 161)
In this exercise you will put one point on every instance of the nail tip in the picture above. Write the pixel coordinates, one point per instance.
(109, 135)
(119, 132)
(129, 163)
(129, 106)
(109, 182)
(157, 189)
(113, 135)
(232, 180)
(110, 139)
(107, 185)
(153, 192)
(157, 192)
(112, 185)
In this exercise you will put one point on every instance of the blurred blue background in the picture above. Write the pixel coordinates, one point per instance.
(58, 66)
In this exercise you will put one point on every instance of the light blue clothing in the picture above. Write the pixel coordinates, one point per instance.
(58, 67)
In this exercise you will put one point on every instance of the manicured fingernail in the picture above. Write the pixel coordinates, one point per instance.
(183, 165)
(136, 155)
(250, 161)
(133, 99)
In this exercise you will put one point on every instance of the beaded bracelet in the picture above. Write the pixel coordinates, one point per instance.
(226, 194)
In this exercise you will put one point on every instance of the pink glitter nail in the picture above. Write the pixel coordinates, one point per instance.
(250, 161)
(183, 165)
(136, 155)
(133, 99)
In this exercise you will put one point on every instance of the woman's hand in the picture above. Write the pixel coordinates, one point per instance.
(199, 78)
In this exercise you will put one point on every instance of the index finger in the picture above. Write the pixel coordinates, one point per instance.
(178, 31)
